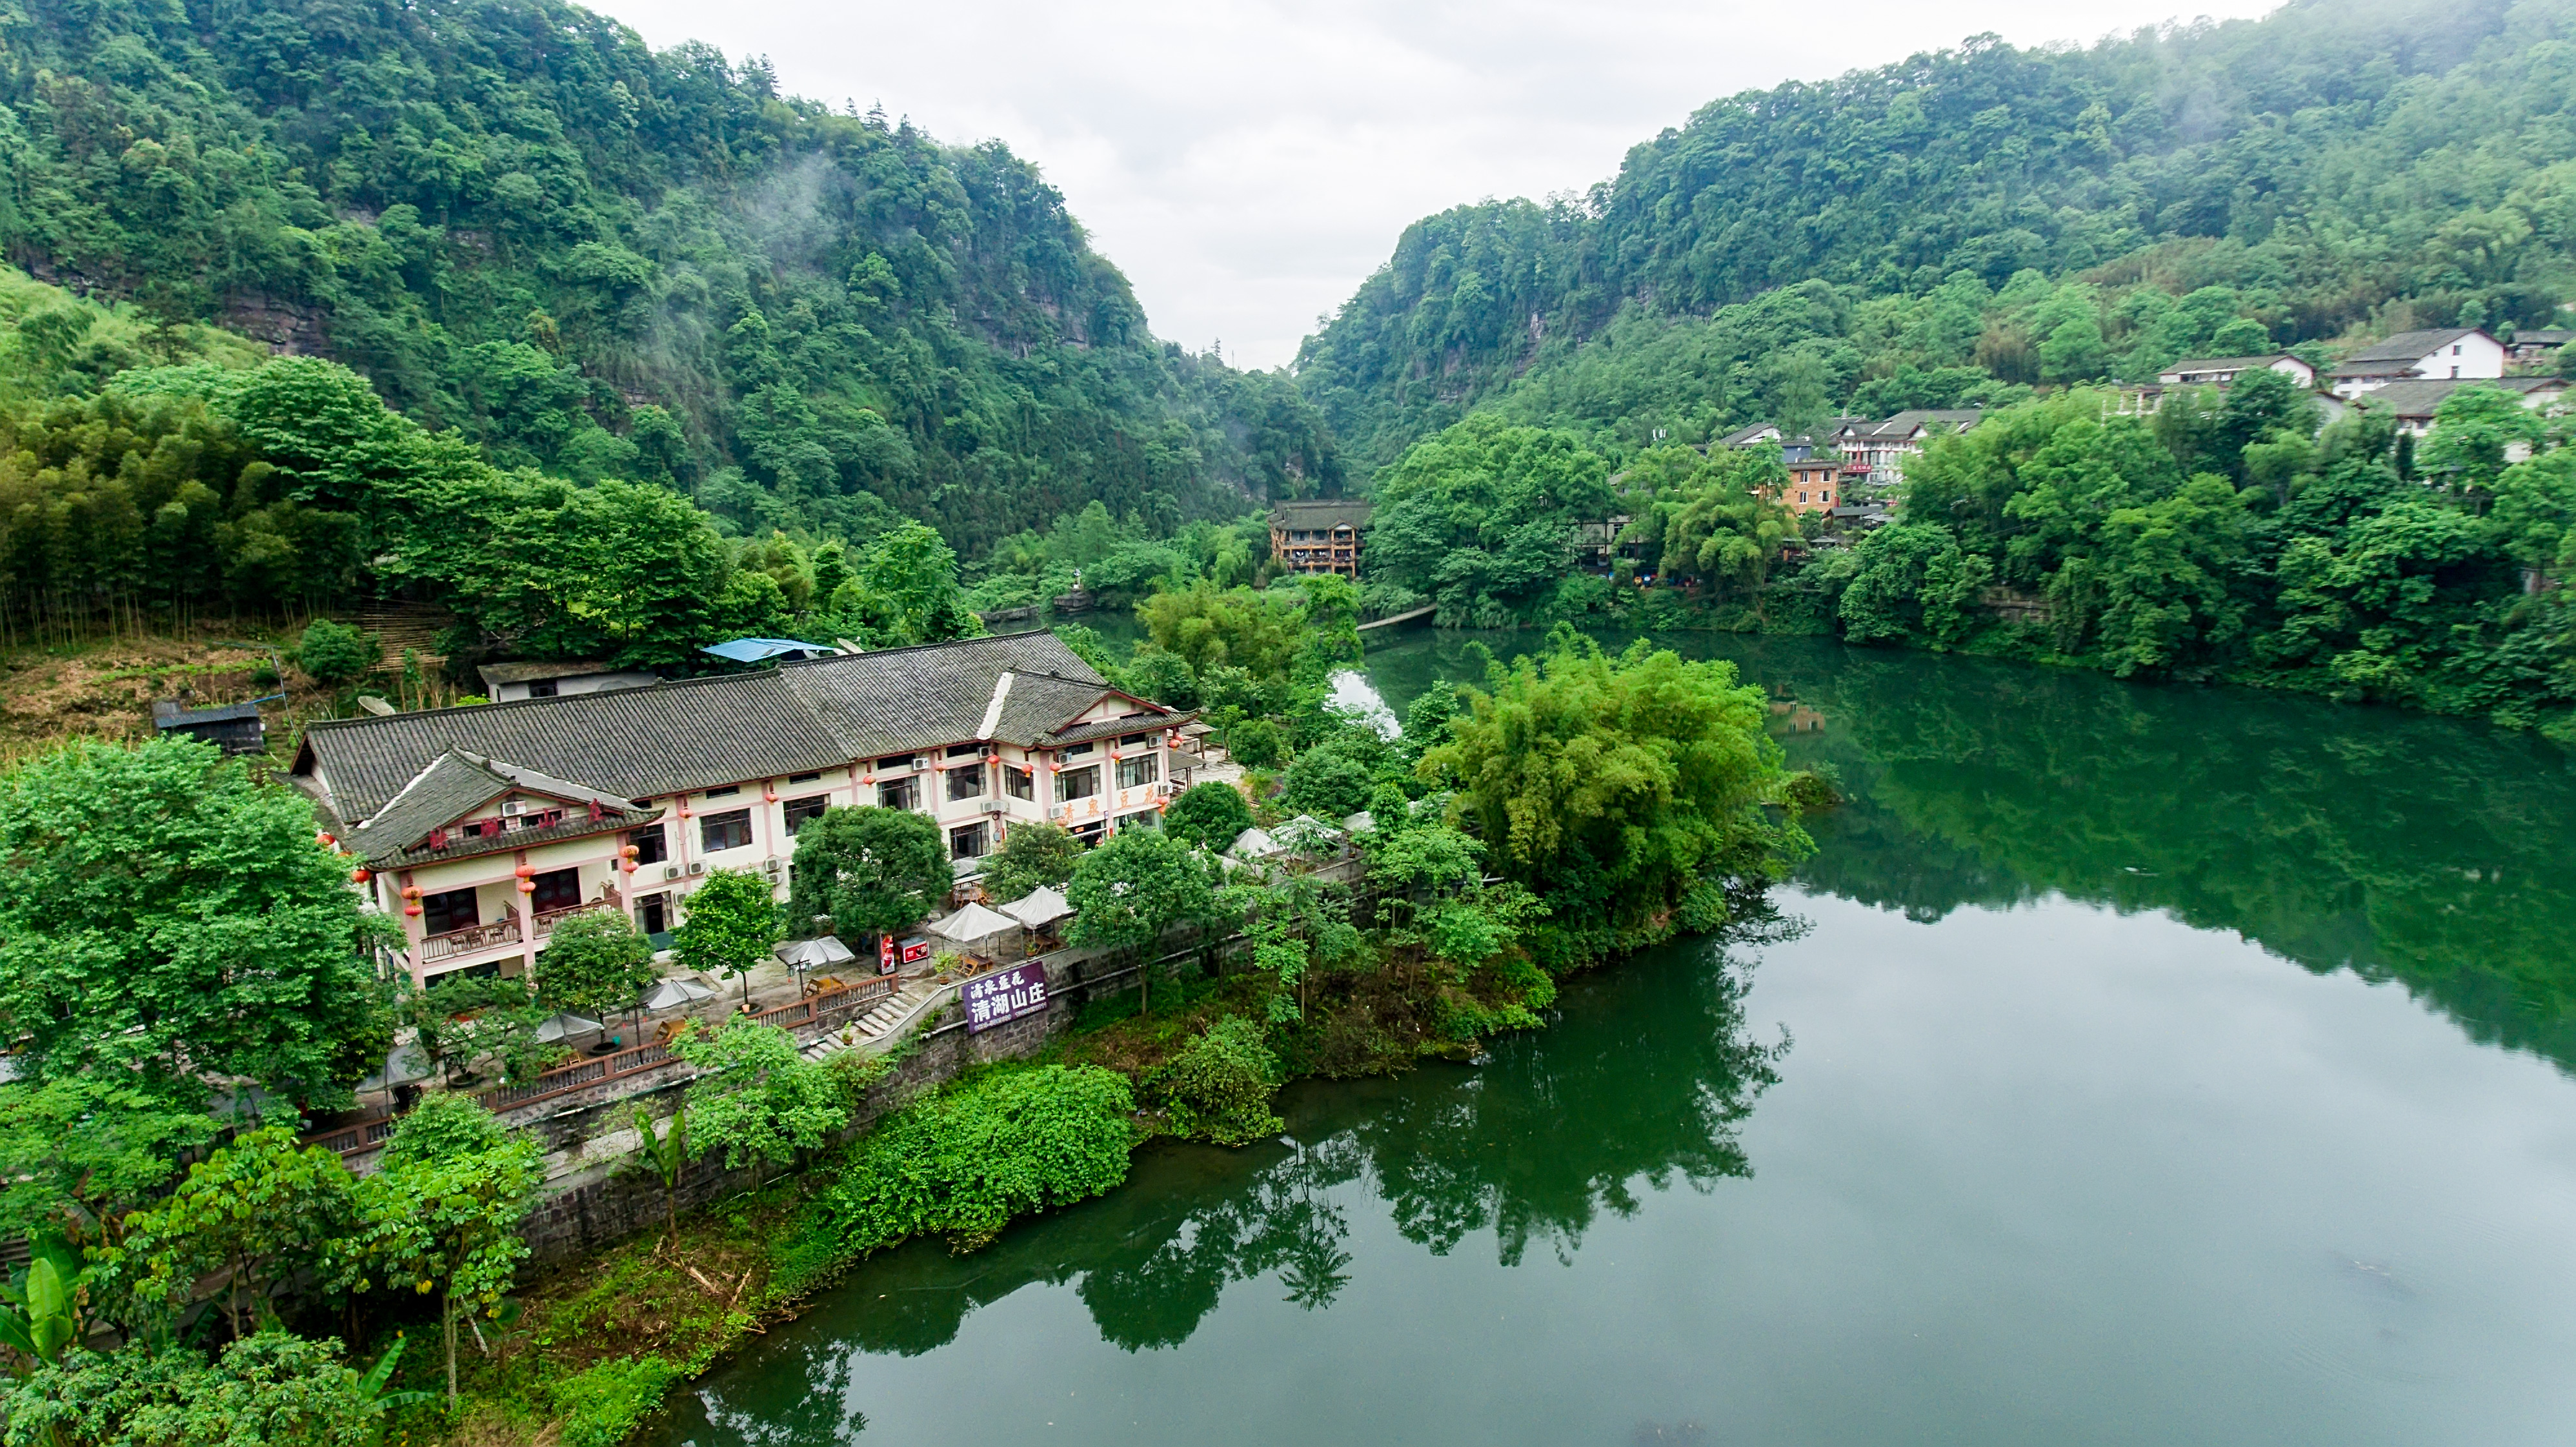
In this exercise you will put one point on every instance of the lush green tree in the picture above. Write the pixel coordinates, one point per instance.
(1209, 628)
(756, 1096)
(1623, 785)
(966, 1160)
(336, 652)
(594, 962)
(260, 1212)
(1335, 779)
(41, 1308)
(78, 1153)
(873, 871)
(465, 1021)
(1032, 854)
(443, 1223)
(166, 914)
(1132, 889)
(443, 1127)
(2475, 432)
(271, 1389)
(1256, 743)
(732, 920)
(1482, 517)
(1218, 1087)
(1913, 583)
(1211, 815)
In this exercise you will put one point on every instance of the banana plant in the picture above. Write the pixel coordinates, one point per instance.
(382, 1404)
(667, 1155)
(39, 1307)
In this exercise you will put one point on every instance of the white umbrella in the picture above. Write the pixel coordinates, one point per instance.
(814, 954)
(974, 922)
(1041, 907)
(556, 1027)
(675, 992)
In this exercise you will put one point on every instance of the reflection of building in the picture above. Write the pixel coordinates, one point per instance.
(1796, 717)
(1319, 537)
(2439, 355)
(479, 829)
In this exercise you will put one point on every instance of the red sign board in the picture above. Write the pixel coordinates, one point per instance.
(885, 955)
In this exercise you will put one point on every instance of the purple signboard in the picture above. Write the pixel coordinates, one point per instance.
(1003, 996)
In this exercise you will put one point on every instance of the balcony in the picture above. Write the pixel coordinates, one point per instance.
(469, 940)
(547, 920)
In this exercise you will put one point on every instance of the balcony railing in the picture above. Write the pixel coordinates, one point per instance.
(548, 919)
(469, 939)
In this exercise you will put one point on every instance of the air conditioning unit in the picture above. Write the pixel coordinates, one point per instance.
(670, 871)
(920, 762)
(996, 806)
(697, 866)
(770, 864)
(513, 808)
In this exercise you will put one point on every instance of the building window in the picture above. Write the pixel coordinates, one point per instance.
(653, 912)
(1019, 783)
(966, 843)
(1076, 750)
(1078, 783)
(964, 751)
(1132, 740)
(727, 792)
(652, 846)
(453, 910)
(1137, 772)
(1802, 497)
(896, 765)
(729, 830)
(899, 794)
(800, 810)
(556, 889)
(966, 781)
(1141, 819)
(803, 778)
(542, 688)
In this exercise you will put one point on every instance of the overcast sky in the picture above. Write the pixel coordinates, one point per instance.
(1248, 162)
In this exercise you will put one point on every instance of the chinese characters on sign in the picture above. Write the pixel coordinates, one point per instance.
(1004, 996)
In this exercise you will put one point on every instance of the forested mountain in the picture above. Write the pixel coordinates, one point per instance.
(1960, 225)
(521, 223)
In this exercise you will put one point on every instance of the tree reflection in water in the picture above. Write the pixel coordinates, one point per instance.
(1645, 1078)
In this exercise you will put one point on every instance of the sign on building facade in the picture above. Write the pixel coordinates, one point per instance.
(1004, 996)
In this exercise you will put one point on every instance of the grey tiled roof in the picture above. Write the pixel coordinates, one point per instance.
(497, 674)
(2227, 364)
(2410, 346)
(1325, 513)
(2418, 397)
(457, 784)
(674, 737)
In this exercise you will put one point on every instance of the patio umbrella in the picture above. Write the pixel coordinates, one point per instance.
(1039, 908)
(974, 922)
(557, 1027)
(814, 954)
(674, 992)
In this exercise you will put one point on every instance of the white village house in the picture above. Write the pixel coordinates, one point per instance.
(479, 828)
(2445, 354)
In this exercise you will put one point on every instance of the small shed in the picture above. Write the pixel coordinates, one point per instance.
(233, 727)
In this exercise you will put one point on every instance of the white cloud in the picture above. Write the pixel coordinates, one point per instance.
(1248, 162)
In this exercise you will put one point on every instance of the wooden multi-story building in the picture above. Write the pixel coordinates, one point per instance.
(480, 828)
(1318, 537)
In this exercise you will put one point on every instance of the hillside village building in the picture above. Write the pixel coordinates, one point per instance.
(2223, 371)
(1879, 449)
(480, 828)
(1320, 536)
(2446, 354)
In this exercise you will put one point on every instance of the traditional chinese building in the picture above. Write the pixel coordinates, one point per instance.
(480, 828)
(1318, 537)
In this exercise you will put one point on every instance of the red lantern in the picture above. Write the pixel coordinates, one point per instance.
(768, 795)
(526, 871)
(630, 851)
(359, 876)
(412, 909)
(527, 886)
(411, 891)
(324, 838)
(627, 864)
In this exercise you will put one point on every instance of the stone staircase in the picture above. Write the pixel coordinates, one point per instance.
(879, 1027)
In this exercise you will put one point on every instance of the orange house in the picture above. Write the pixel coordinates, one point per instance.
(1815, 485)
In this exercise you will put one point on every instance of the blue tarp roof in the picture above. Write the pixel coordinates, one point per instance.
(755, 650)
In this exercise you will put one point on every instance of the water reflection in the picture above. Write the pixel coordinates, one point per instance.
(1642, 1084)
(2426, 851)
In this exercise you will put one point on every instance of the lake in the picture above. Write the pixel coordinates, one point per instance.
(2129, 1065)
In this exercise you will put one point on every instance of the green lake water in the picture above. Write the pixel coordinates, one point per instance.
(2133, 1065)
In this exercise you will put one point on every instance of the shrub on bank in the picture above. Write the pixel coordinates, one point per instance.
(963, 1162)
